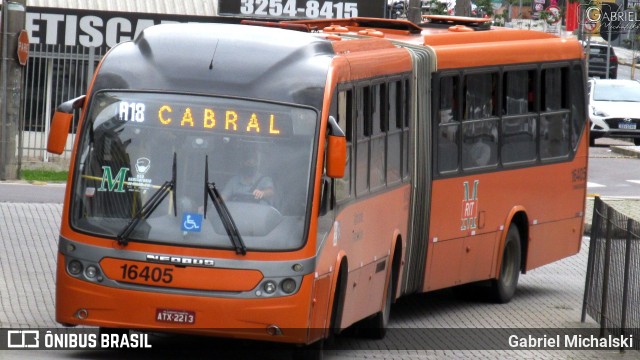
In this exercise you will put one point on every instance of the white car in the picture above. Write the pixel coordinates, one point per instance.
(614, 109)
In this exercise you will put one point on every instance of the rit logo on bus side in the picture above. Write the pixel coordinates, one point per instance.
(470, 206)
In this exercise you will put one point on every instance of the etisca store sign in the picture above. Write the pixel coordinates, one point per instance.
(101, 29)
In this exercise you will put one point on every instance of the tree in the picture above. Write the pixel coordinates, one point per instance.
(414, 14)
(484, 7)
(436, 7)
(463, 8)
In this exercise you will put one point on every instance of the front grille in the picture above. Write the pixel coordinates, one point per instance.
(619, 123)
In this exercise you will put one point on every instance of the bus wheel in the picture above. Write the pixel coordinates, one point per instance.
(315, 351)
(376, 326)
(504, 287)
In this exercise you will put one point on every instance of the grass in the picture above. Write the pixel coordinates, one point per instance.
(44, 175)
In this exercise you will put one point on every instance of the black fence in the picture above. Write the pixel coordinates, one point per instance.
(612, 287)
(53, 75)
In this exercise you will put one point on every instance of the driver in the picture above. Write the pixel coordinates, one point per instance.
(249, 184)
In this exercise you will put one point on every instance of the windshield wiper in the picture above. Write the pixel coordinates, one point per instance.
(150, 206)
(210, 191)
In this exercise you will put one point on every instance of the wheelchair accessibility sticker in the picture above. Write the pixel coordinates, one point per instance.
(191, 222)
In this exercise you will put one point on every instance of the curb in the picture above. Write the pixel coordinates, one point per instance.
(632, 151)
(628, 63)
(588, 215)
(628, 207)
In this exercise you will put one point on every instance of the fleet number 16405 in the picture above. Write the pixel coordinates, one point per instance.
(147, 273)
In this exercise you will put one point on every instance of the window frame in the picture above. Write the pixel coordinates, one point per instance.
(392, 117)
(571, 70)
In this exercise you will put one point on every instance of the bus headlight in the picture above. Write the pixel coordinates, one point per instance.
(288, 285)
(74, 267)
(91, 272)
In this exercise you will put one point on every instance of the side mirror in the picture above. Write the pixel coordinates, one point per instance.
(60, 125)
(336, 150)
(59, 132)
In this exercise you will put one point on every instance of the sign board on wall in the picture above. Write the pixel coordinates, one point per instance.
(73, 27)
(102, 29)
(23, 48)
(303, 9)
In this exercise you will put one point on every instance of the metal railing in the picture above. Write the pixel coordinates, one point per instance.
(612, 286)
(53, 74)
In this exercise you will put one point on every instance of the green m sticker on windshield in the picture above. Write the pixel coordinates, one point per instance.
(115, 184)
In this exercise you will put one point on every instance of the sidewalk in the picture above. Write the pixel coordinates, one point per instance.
(626, 206)
(625, 56)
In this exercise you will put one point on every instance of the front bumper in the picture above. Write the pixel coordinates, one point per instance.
(613, 127)
(81, 303)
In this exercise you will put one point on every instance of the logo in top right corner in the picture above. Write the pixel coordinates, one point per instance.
(608, 19)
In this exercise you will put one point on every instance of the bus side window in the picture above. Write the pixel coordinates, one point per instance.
(519, 123)
(363, 131)
(394, 132)
(578, 117)
(405, 102)
(345, 121)
(448, 125)
(377, 169)
(554, 118)
(480, 122)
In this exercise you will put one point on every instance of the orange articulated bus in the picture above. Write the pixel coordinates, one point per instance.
(285, 181)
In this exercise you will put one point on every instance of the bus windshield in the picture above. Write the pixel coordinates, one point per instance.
(257, 156)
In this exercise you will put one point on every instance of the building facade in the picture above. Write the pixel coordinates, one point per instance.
(69, 37)
(67, 40)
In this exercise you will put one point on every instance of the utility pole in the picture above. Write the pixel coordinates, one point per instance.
(415, 11)
(463, 8)
(12, 22)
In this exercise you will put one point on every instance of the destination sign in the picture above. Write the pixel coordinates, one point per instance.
(230, 116)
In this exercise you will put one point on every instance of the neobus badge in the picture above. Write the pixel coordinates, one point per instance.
(180, 260)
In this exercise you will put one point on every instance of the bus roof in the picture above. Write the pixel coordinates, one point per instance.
(289, 61)
(453, 39)
(233, 60)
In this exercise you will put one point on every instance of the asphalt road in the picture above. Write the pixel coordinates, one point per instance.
(22, 192)
(611, 173)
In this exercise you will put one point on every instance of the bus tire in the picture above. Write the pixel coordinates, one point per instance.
(504, 287)
(375, 327)
(315, 350)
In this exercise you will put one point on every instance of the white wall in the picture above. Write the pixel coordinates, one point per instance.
(177, 7)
